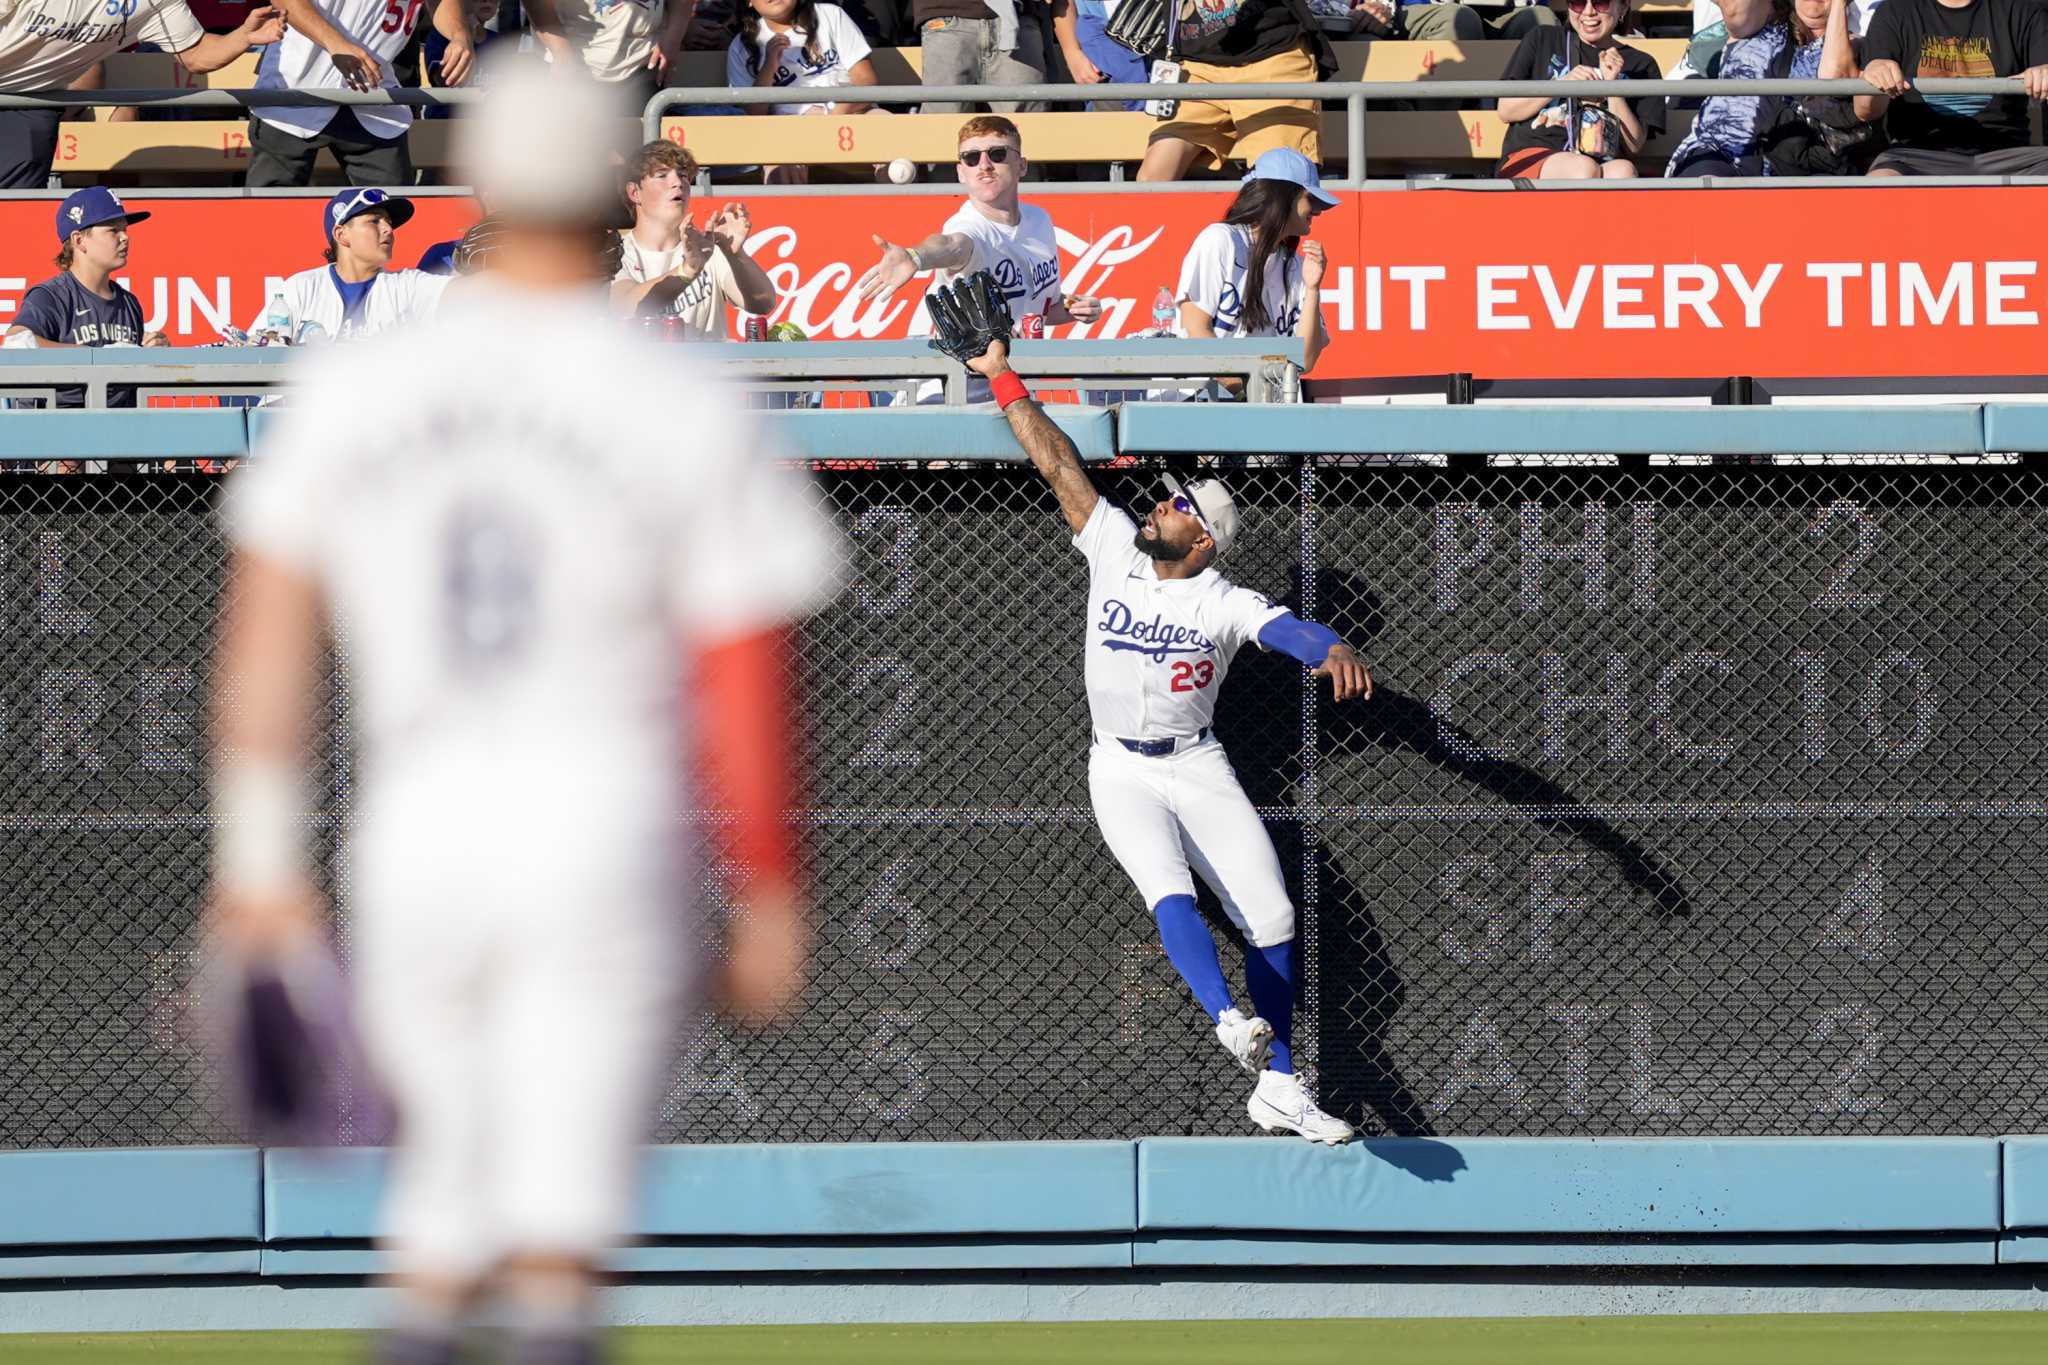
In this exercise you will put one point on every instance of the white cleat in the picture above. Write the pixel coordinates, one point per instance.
(1280, 1103)
(1248, 1040)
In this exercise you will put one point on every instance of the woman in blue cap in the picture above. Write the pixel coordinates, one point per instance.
(1257, 273)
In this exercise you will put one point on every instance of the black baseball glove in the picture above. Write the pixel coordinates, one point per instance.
(968, 316)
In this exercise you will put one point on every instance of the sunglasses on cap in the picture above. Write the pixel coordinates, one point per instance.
(996, 155)
(1184, 507)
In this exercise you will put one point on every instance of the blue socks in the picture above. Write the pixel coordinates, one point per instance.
(1191, 948)
(1270, 974)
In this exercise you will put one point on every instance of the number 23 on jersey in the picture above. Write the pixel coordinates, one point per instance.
(1192, 675)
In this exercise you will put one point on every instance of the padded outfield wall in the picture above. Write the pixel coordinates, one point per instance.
(1697, 797)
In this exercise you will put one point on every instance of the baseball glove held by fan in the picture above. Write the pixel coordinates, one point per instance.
(968, 316)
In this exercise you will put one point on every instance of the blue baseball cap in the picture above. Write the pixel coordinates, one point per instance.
(90, 207)
(355, 203)
(1284, 163)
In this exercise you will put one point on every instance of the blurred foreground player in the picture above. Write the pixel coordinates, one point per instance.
(525, 576)
(1162, 628)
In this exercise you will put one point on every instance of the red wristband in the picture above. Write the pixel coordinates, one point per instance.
(1008, 388)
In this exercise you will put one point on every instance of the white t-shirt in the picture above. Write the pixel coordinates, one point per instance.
(520, 563)
(1212, 278)
(702, 303)
(381, 27)
(395, 298)
(1157, 649)
(840, 45)
(47, 44)
(1025, 259)
(615, 36)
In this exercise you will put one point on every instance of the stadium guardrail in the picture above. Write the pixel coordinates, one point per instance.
(1355, 96)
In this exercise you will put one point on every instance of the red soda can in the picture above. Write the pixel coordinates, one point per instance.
(757, 329)
(673, 328)
(1031, 327)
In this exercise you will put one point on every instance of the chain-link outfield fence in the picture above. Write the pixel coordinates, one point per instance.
(1693, 799)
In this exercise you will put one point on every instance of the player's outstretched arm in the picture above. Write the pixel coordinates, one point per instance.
(971, 323)
(1051, 452)
(1325, 653)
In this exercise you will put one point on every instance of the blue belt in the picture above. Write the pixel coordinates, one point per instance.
(1159, 748)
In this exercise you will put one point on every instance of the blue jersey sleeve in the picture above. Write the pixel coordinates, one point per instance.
(1308, 641)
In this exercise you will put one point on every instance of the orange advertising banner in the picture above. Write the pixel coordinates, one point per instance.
(1657, 282)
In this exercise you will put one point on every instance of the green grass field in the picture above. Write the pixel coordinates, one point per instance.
(1860, 1339)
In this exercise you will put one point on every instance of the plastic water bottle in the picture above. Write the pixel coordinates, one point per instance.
(309, 332)
(277, 318)
(1164, 313)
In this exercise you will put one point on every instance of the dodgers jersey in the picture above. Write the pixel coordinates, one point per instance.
(394, 298)
(1025, 259)
(1157, 648)
(382, 27)
(47, 44)
(521, 569)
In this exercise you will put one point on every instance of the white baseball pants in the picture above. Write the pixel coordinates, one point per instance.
(1162, 815)
(519, 996)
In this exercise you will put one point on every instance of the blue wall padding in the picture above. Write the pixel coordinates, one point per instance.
(1166, 428)
(884, 1189)
(322, 1193)
(130, 1265)
(1564, 1185)
(167, 1194)
(2026, 1182)
(929, 433)
(2016, 426)
(193, 433)
(889, 1189)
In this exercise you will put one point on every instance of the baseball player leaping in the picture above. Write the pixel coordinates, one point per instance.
(1161, 630)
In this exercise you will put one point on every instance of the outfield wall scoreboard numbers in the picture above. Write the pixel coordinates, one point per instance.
(1700, 800)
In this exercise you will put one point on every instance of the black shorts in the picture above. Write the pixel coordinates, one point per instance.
(28, 144)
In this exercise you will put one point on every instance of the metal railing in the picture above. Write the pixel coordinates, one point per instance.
(1268, 367)
(1354, 95)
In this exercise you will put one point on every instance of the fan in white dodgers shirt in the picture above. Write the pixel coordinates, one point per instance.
(804, 45)
(810, 46)
(346, 45)
(353, 295)
(48, 44)
(667, 265)
(993, 231)
(1254, 273)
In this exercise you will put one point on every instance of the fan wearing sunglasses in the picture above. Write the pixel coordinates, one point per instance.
(1161, 628)
(994, 230)
(1551, 138)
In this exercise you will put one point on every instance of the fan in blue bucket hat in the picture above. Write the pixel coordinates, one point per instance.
(1258, 273)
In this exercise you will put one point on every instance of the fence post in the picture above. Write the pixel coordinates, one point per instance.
(1354, 137)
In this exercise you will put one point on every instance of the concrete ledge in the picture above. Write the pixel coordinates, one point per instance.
(1581, 1186)
(1279, 1249)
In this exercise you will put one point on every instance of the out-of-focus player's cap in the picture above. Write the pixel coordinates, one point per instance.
(546, 145)
(355, 203)
(1214, 508)
(89, 208)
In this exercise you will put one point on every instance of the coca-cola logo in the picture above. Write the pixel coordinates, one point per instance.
(819, 296)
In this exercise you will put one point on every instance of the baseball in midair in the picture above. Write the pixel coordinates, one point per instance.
(902, 171)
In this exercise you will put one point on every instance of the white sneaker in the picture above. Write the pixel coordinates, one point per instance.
(1248, 1040)
(1280, 1102)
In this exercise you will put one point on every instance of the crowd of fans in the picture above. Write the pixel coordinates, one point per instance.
(635, 46)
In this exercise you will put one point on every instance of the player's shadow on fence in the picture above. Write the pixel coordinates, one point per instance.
(1361, 990)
